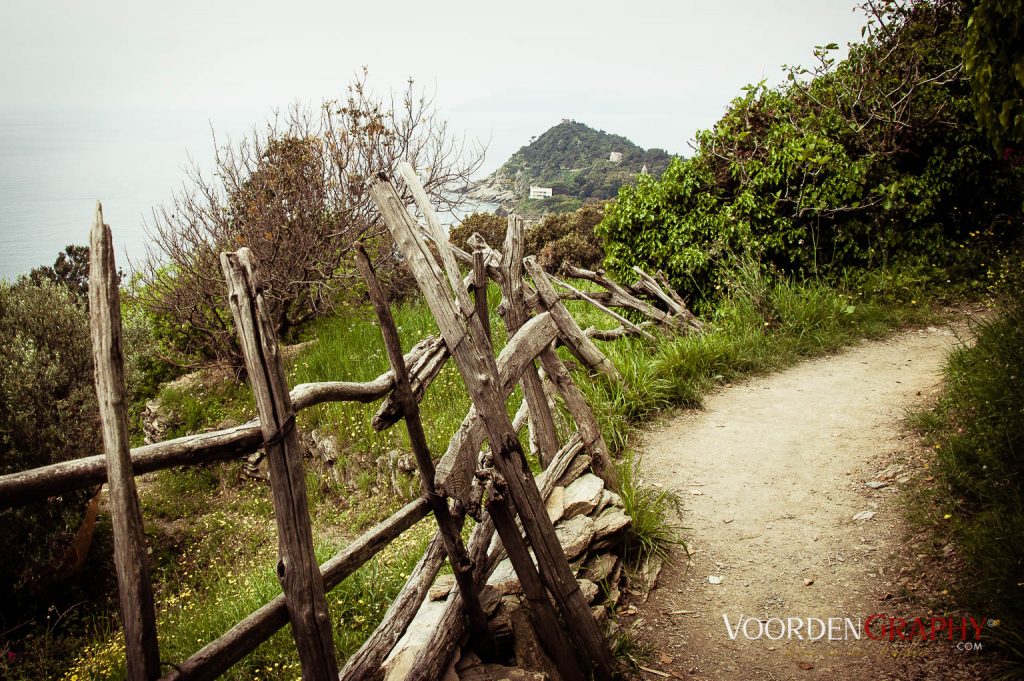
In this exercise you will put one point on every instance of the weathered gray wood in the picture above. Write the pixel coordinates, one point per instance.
(297, 569)
(618, 295)
(219, 655)
(365, 663)
(576, 403)
(454, 475)
(549, 630)
(449, 529)
(515, 314)
(434, 657)
(439, 235)
(673, 302)
(480, 293)
(130, 556)
(58, 478)
(480, 374)
(611, 313)
(612, 334)
(571, 333)
(24, 486)
(421, 374)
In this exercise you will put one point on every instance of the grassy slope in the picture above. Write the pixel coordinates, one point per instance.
(214, 536)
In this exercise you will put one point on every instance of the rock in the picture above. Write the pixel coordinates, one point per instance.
(582, 495)
(714, 579)
(589, 590)
(504, 578)
(609, 522)
(406, 463)
(575, 535)
(876, 484)
(578, 466)
(646, 577)
(497, 672)
(530, 654)
(442, 587)
(555, 504)
(864, 515)
(608, 498)
(600, 613)
(599, 566)
(399, 661)
(889, 473)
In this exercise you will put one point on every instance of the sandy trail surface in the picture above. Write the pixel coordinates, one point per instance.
(771, 474)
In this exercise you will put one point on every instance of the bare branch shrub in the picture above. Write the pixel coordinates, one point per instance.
(295, 193)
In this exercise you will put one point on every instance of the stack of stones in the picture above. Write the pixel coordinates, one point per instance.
(590, 522)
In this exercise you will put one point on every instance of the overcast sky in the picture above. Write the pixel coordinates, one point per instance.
(657, 71)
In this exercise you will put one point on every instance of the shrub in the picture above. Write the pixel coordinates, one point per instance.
(48, 413)
(875, 160)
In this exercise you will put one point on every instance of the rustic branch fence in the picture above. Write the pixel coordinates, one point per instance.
(458, 484)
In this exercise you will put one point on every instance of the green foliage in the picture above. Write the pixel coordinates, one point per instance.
(573, 159)
(978, 431)
(70, 269)
(871, 161)
(490, 226)
(654, 530)
(48, 414)
(567, 238)
(994, 60)
(558, 239)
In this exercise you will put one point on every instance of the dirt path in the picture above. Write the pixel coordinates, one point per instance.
(771, 474)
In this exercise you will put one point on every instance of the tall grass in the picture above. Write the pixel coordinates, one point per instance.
(977, 430)
(214, 538)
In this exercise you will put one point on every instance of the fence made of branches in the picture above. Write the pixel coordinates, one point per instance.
(483, 473)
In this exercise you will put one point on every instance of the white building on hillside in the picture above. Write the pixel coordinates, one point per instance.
(540, 192)
(615, 156)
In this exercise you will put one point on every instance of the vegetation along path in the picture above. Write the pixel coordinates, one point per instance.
(790, 488)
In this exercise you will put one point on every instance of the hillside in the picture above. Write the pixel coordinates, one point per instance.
(574, 161)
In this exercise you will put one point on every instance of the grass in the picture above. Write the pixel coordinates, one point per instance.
(212, 530)
(977, 432)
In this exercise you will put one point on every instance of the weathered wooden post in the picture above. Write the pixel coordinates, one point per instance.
(130, 557)
(464, 336)
(297, 568)
(515, 314)
(449, 529)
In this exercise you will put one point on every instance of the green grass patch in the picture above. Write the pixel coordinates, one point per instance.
(977, 430)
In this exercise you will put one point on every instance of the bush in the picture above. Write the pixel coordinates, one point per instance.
(873, 161)
(567, 238)
(558, 239)
(48, 413)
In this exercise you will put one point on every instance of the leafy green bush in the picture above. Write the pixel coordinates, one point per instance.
(871, 161)
(48, 413)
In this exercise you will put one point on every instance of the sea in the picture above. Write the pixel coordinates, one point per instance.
(55, 166)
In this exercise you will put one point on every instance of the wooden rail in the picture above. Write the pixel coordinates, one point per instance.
(494, 486)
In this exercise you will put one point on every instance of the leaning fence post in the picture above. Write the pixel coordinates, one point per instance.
(130, 558)
(297, 568)
(515, 314)
(462, 566)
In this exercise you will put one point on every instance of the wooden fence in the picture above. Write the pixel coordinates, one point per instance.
(494, 486)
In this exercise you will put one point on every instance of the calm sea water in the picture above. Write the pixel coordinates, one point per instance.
(54, 166)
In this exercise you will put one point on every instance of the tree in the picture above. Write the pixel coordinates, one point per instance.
(297, 194)
(994, 59)
(70, 269)
(48, 413)
(872, 160)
